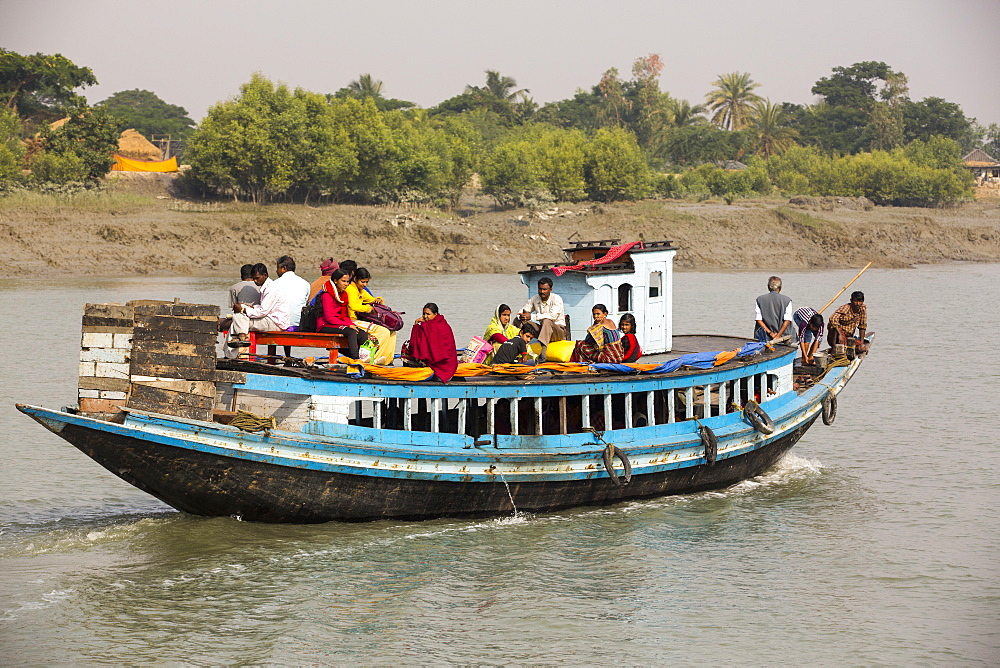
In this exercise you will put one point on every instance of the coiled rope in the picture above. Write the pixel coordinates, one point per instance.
(247, 421)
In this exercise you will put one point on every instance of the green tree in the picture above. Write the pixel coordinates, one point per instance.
(652, 108)
(615, 167)
(695, 144)
(683, 114)
(84, 145)
(613, 105)
(771, 131)
(511, 173)
(366, 86)
(885, 124)
(732, 100)
(991, 140)
(144, 111)
(936, 116)
(937, 152)
(499, 87)
(11, 147)
(270, 143)
(863, 108)
(41, 87)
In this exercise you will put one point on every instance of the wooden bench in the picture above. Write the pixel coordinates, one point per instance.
(333, 343)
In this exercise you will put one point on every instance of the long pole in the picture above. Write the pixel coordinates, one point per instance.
(844, 288)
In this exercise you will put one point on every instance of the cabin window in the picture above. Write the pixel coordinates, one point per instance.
(655, 284)
(624, 297)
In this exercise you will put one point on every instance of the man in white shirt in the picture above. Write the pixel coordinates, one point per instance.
(295, 289)
(549, 313)
(269, 316)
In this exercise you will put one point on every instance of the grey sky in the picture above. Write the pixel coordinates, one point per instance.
(195, 53)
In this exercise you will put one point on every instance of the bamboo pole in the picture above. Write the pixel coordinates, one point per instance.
(844, 288)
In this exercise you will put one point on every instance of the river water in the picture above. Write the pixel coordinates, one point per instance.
(874, 542)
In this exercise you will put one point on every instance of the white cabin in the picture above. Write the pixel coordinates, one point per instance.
(640, 282)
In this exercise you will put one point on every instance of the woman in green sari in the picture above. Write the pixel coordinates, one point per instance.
(500, 329)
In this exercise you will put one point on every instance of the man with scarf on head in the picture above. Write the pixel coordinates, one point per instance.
(326, 269)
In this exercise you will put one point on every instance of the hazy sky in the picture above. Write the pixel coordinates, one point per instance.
(195, 53)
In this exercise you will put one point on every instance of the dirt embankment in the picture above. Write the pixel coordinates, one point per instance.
(152, 233)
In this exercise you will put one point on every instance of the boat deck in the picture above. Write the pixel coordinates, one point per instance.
(682, 345)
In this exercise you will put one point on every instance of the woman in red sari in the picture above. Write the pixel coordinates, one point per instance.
(432, 343)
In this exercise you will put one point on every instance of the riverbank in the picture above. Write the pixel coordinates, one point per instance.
(139, 229)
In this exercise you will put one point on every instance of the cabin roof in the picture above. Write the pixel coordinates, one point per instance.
(625, 266)
(605, 244)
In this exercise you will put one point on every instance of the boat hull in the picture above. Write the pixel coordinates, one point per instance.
(205, 483)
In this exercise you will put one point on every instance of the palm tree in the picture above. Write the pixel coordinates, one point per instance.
(732, 100)
(770, 125)
(684, 114)
(365, 86)
(499, 87)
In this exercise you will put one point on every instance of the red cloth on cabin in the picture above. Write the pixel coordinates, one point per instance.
(613, 254)
(335, 310)
(433, 343)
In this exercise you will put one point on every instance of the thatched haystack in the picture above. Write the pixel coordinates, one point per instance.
(133, 145)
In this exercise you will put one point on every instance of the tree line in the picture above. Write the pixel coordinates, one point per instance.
(623, 138)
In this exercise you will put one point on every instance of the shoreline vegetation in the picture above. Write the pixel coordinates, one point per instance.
(135, 227)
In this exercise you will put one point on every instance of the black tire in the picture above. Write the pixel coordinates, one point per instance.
(710, 443)
(829, 408)
(760, 420)
(610, 453)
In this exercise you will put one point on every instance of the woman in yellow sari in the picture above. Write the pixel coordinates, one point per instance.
(359, 300)
(500, 329)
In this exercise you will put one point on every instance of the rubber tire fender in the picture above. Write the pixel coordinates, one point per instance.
(610, 453)
(710, 443)
(760, 420)
(829, 408)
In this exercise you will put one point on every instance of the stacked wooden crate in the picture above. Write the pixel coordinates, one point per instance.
(105, 356)
(173, 358)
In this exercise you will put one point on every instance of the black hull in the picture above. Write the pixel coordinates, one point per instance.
(213, 485)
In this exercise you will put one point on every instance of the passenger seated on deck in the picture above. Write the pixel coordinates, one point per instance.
(326, 269)
(244, 292)
(270, 315)
(809, 326)
(432, 343)
(500, 329)
(515, 350)
(631, 351)
(602, 343)
(335, 317)
(360, 299)
(549, 312)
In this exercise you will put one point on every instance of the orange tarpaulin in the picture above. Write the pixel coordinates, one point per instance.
(129, 165)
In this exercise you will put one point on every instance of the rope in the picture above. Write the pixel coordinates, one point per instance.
(247, 421)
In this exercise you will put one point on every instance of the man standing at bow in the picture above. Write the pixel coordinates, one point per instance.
(773, 312)
(847, 319)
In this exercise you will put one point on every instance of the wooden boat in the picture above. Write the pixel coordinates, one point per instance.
(367, 448)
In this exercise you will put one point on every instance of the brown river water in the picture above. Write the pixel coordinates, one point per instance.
(874, 542)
